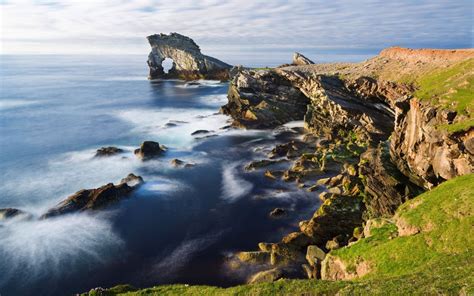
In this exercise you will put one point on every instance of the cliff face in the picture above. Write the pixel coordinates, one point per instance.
(380, 100)
(188, 61)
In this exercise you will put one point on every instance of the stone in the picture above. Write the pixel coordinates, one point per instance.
(309, 271)
(177, 162)
(373, 224)
(266, 276)
(297, 239)
(149, 150)
(95, 199)
(333, 268)
(200, 132)
(108, 151)
(257, 257)
(265, 247)
(12, 213)
(299, 59)
(277, 213)
(188, 61)
(314, 255)
(285, 254)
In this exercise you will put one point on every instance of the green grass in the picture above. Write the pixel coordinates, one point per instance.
(451, 88)
(437, 261)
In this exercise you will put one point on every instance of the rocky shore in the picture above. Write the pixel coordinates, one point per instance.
(372, 126)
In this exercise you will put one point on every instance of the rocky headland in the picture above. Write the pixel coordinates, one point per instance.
(393, 137)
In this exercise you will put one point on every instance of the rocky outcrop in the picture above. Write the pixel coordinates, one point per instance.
(385, 187)
(94, 199)
(108, 151)
(423, 151)
(299, 59)
(149, 150)
(188, 61)
(333, 268)
(263, 99)
(12, 213)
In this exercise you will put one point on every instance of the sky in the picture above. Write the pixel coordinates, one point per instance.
(218, 26)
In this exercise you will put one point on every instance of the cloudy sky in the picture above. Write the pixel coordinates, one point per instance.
(119, 26)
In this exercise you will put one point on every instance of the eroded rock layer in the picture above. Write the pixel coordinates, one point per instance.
(188, 61)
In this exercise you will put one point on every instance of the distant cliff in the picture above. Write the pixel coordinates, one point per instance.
(188, 61)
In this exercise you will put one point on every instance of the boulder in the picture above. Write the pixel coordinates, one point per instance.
(314, 255)
(266, 276)
(149, 150)
(177, 162)
(299, 59)
(283, 254)
(12, 213)
(277, 213)
(188, 61)
(200, 132)
(108, 151)
(257, 257)
(95, 199)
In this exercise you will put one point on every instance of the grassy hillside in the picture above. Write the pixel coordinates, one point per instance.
(439, 259)
(453, 88)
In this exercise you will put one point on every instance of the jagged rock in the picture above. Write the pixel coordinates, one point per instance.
(277, 213)
(261, 163)
(149, 150)
(297, 239)
(188, 61)
(385, 187)
(108, 151)
(284, 254)
(94, 199)
(265, 247)
(426, 154)
(299, 59)
(314, 255)
(11, 213)
(338, 215)
(177, 162)
(263, 99)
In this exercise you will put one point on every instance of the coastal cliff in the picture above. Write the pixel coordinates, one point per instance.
(188, 61)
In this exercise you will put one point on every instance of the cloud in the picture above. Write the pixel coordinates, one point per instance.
(119, 26)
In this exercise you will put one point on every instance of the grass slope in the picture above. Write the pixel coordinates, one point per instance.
(437, 260)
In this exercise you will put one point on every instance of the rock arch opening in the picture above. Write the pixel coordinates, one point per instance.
(167, 65)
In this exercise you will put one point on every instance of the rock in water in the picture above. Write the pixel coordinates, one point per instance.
(11, 213)
(93, 199)
(188, 61)
(149, 150)
(299, 59)
(277, 212)
(108, 151)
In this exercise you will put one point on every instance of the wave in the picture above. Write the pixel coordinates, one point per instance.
(13, 104)
(233, 186)
(40, 250)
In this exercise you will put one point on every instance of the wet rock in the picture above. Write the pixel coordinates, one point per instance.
(261, 164)
(12, 213)
(149, 150)
(265, 247)
(200, 132)
(95, 199)
(277, 213)
(177, 162)
(188, 61)
(108, 151)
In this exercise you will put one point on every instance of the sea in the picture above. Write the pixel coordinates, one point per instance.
(181, 226)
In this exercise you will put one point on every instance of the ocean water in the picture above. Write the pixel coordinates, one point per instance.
(180, 227)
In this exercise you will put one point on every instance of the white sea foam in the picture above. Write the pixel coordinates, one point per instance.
(13, 104)
(35, 250)
(126, 78)
(233, 186)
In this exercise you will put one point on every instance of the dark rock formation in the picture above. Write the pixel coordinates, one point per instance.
(200, 132)
(108, 151)
(94, 199)
(12, 213)
(277, 213)
(188, 61)
(299, 59)
(264, 99)
(385, 187)
(149, 150)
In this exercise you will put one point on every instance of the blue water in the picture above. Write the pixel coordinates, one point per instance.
(55, 111)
